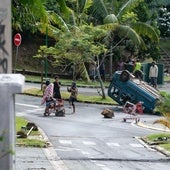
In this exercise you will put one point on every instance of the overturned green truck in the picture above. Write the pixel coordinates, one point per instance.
(125, 87)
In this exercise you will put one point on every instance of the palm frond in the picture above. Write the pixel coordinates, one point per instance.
(128, 32)
(63, 6)
(99, 9)
(131, 4)
(146, 30)
(84, 4)
(56, 19)
(164, 122)
(123, 32)
(49, 29)
(109, 26)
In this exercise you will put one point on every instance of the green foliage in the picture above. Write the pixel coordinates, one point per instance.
(164, 105)
(33, 17)
(164, 108)
(20, 121)
(77, 46)
(131, 4)
(164, 22)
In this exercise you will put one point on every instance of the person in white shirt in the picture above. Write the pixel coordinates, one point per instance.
(153, 74)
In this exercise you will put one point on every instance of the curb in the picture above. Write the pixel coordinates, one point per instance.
(157, 148)
(51, 154)
(151, 127)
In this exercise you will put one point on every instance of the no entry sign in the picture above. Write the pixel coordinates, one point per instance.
(17, 39)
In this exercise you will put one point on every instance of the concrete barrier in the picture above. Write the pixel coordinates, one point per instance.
(10, 84)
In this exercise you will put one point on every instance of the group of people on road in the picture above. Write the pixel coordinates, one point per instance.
(51, 91)
(52, 94)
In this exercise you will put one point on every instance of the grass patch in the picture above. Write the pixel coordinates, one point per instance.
(154, 137)
(20, 121)
(165, 146)
(33, 140)
(66, 82)
(81, 98)
(166, 78)
(157, 140)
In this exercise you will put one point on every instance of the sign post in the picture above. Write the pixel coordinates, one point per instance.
(17, 42)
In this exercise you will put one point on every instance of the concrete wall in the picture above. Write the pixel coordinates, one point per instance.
(5, 37)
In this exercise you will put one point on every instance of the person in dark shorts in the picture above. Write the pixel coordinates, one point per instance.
(73, 95)
(57, 85)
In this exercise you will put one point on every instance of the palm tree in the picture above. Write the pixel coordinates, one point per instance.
(32, 16)
(125, 21)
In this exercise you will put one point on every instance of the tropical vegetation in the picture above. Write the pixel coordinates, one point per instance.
(85, 31)
(127, 32)
(164, 108)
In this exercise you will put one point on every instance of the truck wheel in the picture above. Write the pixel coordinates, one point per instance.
(124, 76)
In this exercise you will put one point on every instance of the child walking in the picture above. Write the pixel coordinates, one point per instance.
(73, 96)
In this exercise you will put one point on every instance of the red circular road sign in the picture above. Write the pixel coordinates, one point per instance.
(17, 39)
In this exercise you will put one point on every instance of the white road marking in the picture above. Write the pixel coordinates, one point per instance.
(65, 142)
(61, 148)
(136, 145)
(112, 144)
(101, 165)
(34, 110)
(89, 143)
(28, 105)
(85, 153)
(105, 168)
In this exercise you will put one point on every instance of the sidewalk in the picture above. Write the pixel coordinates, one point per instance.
(31, 158)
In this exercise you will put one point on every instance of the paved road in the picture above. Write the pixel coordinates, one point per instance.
(87, 141)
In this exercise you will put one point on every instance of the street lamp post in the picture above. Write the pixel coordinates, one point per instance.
(46, 43)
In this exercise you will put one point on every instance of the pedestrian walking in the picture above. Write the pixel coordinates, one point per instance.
(73, 95)
(153, 74)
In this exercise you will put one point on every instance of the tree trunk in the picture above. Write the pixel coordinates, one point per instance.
(101, 83)
(81, 69)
